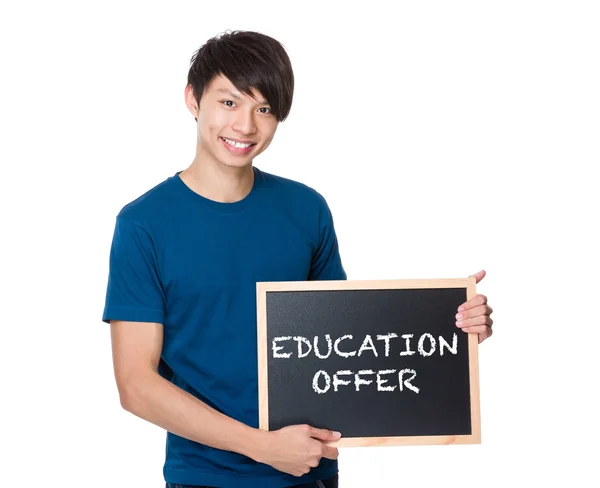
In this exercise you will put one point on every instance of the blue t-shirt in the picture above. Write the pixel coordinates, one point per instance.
(192, 264)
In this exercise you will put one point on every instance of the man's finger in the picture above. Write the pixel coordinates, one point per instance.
(478, 276)
(330, 452)
(478, 329)
(473, 302)
(474, 312)
(475, 321)
(324, 434)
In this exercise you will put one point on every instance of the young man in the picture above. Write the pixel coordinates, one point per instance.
(184, 263)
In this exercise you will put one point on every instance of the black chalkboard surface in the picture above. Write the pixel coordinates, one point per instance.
(382, 362)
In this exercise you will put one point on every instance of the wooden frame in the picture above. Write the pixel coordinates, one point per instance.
(262, 288)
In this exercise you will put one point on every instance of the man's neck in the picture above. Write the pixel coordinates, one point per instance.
(218, 182)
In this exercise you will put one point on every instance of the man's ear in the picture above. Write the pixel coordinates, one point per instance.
(190, 101)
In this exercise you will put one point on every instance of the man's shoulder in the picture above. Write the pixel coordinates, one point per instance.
(293, 189)
(149, 203)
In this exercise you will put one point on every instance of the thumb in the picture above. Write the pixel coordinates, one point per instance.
(324, 434)
(478, 276)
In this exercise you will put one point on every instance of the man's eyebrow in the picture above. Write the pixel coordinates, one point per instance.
(237, 97)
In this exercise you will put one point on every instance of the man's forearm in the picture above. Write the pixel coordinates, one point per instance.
(162, 403)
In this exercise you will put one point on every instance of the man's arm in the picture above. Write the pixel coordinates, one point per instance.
(326, 261)
(136, 353)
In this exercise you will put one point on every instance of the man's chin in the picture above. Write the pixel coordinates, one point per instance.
(237, 163)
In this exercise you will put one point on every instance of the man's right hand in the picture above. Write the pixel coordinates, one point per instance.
(298, 448)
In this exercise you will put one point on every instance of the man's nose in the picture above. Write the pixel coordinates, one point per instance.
(244, 122)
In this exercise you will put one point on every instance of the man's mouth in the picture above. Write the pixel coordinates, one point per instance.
(237, 147)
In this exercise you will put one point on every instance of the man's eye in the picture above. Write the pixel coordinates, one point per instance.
(227, 102)
(267, 110)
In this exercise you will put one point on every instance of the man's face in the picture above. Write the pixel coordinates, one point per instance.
(233, 128)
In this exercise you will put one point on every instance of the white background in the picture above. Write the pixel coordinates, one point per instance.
(447, 137)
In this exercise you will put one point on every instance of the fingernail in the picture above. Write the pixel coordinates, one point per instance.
(336, 434)
(461, 308)
(459, 316)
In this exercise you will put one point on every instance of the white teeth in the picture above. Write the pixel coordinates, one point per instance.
(236, 144)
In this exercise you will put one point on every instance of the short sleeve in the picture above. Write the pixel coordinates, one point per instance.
(326, 262)
(134, 292)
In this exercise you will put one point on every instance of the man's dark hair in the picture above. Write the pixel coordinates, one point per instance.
(249, 60)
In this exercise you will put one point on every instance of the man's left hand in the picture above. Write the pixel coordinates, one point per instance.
(474, 314)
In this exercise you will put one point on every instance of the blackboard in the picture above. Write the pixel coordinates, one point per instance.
(380, 361)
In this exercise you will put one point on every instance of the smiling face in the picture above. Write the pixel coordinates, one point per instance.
(233, 128)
